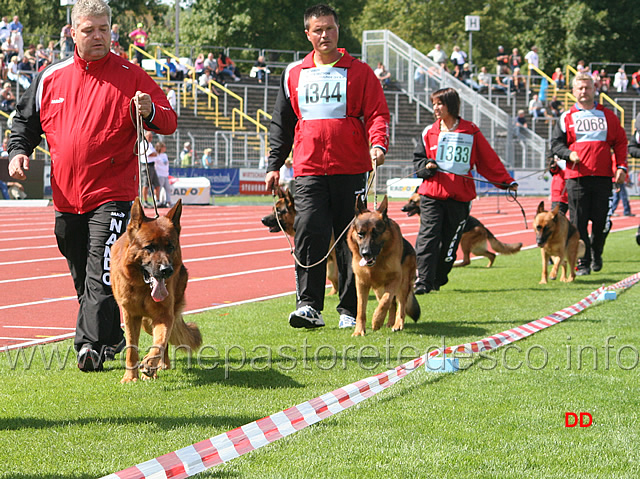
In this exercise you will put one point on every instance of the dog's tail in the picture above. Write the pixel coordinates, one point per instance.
(413, 307)
(582, 249)
(500, 247)
(186, 335)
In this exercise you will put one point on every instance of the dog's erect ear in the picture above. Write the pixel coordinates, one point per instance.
(555, 211)
(174, 214)
(384, 205)
(360, 206)
(540, 207)
(137, 215)
(280, 192)
(289, 199)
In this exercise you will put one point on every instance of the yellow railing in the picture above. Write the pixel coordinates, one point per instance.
(543, 75)
(133, 48)
(567, 77)
(210, 96)
(231, 93)
(263, 113)
(242, 114)
(604, 97)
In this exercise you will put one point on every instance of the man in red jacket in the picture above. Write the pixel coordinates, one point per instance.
(585, 136)
(82, 106)
(332, 110)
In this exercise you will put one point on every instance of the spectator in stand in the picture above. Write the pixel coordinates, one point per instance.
(383, 75)
(66, 41)
(51, 51)
(620, 81)
(186, 155)
(515, 60)
(207, 160)
(438, 55)
(210, 62)
(171, 96)
(502, 62)
(420, 76)
(162, 172)
(590, 166)
(558, 77)
(532, 58)
(556, 106)
(4, 29)
(605, 81)
(635, 81)
(559, 196)
(16, 29)
(3, 67)
(9, 50)
(41, 56)
(458, 58)
(227, 68)
(170, 67)
(205, 78)
(580, 68)
(44, 65)
(140, 38)
(521, 121)
(198, 64)
(149, 179)
(30, 54)
(260, 69)
(536, 107)
(7, 98)
(115, 38)
(15, 76)
(515, 82)
(182, 70)
(26, 70)
(467, 77)
(484, 79)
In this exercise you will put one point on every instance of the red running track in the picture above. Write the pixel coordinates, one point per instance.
(230, 255)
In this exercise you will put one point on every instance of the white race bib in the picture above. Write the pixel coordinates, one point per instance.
(322, 93)
(590, 125)
(454, 152)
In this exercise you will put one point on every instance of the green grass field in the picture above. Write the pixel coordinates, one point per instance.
(503, 416)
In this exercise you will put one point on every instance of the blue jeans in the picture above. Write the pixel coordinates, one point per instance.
(620, 195)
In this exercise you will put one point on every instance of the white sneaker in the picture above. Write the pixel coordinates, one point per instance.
(306, 317)
(347, 321)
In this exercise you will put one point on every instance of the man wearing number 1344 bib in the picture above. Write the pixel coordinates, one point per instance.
(332, 111)
(446, 153)
(585, 136)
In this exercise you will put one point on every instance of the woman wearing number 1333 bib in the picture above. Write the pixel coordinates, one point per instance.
(446, 153)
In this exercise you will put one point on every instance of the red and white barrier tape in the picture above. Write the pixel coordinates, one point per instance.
(198, 457)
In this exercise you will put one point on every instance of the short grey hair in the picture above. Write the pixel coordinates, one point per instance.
(582, 77)
(89, 8)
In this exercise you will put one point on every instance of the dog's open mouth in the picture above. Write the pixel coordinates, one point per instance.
(367, 262)
(158, 287)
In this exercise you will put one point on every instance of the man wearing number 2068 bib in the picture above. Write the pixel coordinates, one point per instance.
(332, 111)
(446, 153)
(585, 136)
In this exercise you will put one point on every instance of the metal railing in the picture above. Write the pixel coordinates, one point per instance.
(523, 150)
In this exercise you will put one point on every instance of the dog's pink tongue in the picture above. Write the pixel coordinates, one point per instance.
(363, 262)
(158, 290)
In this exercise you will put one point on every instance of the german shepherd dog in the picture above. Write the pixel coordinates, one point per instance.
(385, 261)
(286, 210)
(149, 280)
(560, 241)
(474, 237)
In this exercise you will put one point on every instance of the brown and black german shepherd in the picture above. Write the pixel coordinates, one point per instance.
(285, 206)
(149, 280)
(560, 241)
(474, 237)
(385, 261)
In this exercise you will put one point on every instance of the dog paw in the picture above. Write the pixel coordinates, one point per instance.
(128, 379)
(357, 333)
(543, 281)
